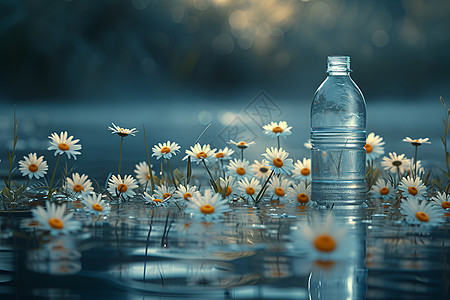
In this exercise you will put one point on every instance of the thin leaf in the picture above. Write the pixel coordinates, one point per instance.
(178, 175)
(150, 172)
(442, 100)
(189, 171)
(437, 183)
(9, 158)
(157, 180)
(213, 184)
(7, 193)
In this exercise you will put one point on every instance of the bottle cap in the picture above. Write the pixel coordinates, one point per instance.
(339, 63)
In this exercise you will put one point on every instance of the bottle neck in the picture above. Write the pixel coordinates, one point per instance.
(338, 73)
(338, 66)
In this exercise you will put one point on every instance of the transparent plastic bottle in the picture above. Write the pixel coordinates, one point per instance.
(338, 137)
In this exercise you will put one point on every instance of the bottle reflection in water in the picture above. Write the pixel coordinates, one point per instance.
(338, 136)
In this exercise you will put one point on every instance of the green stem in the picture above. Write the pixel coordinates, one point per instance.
(53, 177)
(171, 173)
(210, 176)
(278, 140)
(261, 192)
(415, 162)
(242, 153)
(120, 157)
(150, 172)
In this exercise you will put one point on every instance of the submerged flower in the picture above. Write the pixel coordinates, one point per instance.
(383, 189)
(209, 206)
(442, 200)
(63, 144)
(125, 187)
(54, 219)
(122, 132)
(275, 129)
(278, 161)
(163, 192)
(299, 194)
(153, 200)
(424, 213)
(185, 192)
(239, 169)
(374, 147)
(79, 184)
(224, 154)
(241, 144)
(395, 163)
(278, 188)
(142, 173)
(95, 205)
(416, 142)
(260, 169)
(165, 150)
(199, 153)
(302, 170)
(32, 166)
(412, 188)
(249, 189)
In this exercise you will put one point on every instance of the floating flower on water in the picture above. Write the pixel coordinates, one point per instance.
(199, 153)
(163, 192)
(153, 200)
(32, 166)
(260, 169)
(302, 170)
(308, 144)
(209, 207)
(185, 192)
(423, 213)
(229, 184)
(125, 187)
(122, 132)
(224, 154)
(383, 189)
(299, 194)
(63, 144)
(374, 147)
(239, 169)
(323, 242)
(395, 163)
(442, 200)
(54, 219)
(278, 188)
(79, 184)
(241, 144)
(165, 150)
(412, 188)
(142, 173)
(278, 161)
(275, 129)
(249, 189)
(95, 205)
(416, 142)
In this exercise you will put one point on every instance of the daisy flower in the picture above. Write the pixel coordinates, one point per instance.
(383, 189)
(241, 144)
(32, 166)
(163, 192)
(142, 173)
(229, 184)
(374, 147)
(442, 200)
(63, 144)
(208, 207)
(324, 242)
(54, 220)
(185, 192)
(278, 188)
(79, 184)
(299, 194)
(260, 169)
(239, 169)
(416, 142)
(395, 162)
(165, 150)
(275, 129)
(122, 132)
(424, 213)
(308, 144)
(412, 188)
(302, 170)
(197, 153)
(224, 154)
(95, 205)
(124, 187)
(278, 161)
(154, 200)
(249, 189)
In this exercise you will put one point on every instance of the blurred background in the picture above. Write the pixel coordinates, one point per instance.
(177, 65)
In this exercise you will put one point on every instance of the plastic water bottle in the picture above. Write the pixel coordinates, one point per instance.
(338, 137)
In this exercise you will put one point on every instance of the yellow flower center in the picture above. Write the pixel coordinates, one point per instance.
(384, 191)
(305, 171)
(422, 217)
(325, 243)
(122, 188)
(250, 191)
(277, 162)
(78, 188)
(207, 209)
(445, 204)
(220, 155)
(412, 190)
(165, 150)
(56, 223)
(166, 195)
(97, 207)
(241, 143)
(279, 192)
(240, 171)
(186, 196)
(157, 200)
(202, 155)
(369, 148)
(263, 169)
(147, 176)
(63, 147)
(277, 129)
(302, 198)
(122, 132)
(33, 168)
(229, 190)
(397, 163)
